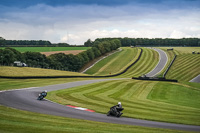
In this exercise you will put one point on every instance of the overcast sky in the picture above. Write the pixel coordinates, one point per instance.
(75, 21)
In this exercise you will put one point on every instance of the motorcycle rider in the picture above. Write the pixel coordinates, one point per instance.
(117, 108)
(44, 93)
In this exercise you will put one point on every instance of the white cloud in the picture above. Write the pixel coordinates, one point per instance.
(76, 24)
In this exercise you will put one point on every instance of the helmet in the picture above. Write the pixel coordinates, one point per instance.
(119, 103)
(45, 91)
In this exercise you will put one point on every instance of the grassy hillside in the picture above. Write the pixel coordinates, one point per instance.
(147, 62)
(13, 120)
(121, 60)
(159, 101)
(48, 49)
(114, 63)
(185, 67)
(28, 71)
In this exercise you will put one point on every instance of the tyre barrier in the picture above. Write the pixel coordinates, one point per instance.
(155, 79)
(169, 65)
(43, 77)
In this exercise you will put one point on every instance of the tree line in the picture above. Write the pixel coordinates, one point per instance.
(59, 61)
(186, 42)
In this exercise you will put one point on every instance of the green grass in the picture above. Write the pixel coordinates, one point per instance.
(8, 84)
(158, 101)
(29, 71)
(13, 121)
(115, 63)
(121, 60)
(47, 49)
(185, 67)
(183, 50)
(147, 62)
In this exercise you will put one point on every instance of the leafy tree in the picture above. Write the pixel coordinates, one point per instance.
(1, 38)
(90, 54)
(88, 43)
(8, 57)
(85, 57)
(96, 52)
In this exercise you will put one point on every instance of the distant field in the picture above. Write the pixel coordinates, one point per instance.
(48, 49)
(158, 101)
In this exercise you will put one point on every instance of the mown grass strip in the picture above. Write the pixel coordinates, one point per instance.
(185, 67)
(114, 63)
(147, 62)
(141, 99)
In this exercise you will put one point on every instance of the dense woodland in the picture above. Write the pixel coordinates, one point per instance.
(59, 61)
(183, 42)
(30, 43)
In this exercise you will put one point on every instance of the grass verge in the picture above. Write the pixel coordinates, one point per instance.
(8, 84)
(13, 120)
(29, 71)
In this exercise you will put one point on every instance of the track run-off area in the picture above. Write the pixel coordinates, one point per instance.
(26, 99)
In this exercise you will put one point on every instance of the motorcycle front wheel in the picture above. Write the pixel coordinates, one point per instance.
(108, 114)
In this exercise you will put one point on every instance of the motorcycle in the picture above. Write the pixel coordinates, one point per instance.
(40, 97)
(114, 111)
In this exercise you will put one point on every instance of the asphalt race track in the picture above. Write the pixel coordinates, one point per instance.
(161, 64)
(196, 79)
(25, 99)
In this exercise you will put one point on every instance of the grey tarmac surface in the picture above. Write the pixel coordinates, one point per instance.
(26, 99)
(161, 64)
(196, 79)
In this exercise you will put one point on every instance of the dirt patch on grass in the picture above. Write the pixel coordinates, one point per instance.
(74, 52)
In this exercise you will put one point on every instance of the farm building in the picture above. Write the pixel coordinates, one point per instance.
(19, 64)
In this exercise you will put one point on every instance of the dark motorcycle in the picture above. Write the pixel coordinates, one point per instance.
(115, 111)
(40, 97)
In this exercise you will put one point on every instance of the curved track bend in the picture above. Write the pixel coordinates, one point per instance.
(161, 64)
